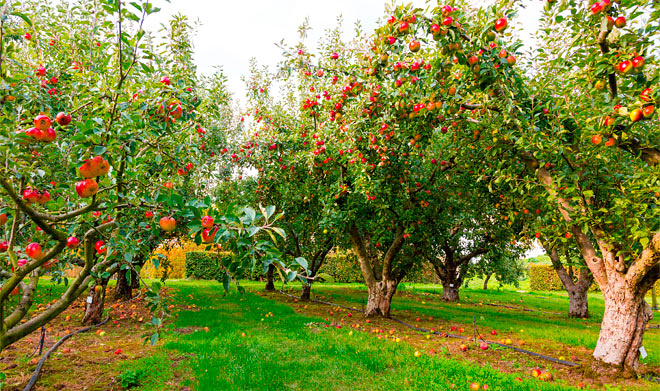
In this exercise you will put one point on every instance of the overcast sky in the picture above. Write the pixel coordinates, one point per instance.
(231, 32)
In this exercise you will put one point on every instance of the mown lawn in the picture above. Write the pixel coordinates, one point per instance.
(284, 350)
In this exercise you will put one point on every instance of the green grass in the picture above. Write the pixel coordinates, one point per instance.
(282, 353)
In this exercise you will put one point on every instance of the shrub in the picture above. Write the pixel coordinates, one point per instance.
(202, 265)
(543, 277)
(170, 257)
(131, 378)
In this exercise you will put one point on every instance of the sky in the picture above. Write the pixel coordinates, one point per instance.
(232, 32)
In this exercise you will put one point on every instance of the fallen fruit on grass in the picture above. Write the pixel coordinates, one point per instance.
(463, 347)
(483, 346)
(508, 341)
(118, 351)
(545, 376)
(536, 372)
(417, 353)
(475, 386)
(493, 332)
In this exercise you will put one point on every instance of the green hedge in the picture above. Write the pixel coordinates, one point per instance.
(202, 265)
(343, 266)
(543, 277)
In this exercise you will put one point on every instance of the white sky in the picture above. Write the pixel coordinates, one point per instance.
(232, 32)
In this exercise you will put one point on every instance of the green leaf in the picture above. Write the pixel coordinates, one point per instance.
(302, 262)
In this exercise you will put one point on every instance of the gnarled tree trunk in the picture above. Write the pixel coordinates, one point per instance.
(123, 289)
(94, 309)
(486, 281)
(577, 288)
(270, 284)
(378, 276)
(306, 292)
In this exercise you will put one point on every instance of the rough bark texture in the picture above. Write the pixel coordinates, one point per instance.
(94, 310)
(486, 282)
(578, 306)
(625, 318)
(306, 292)
(577, 287)
(380, 298)
(450, 292)
(123, 290)
(270, 284)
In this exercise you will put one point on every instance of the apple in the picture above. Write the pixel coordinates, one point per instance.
(493, 332)
(44, 197)
(33, 250)
(475, 386)
(447, 21)
(508, 341)
(72, 242)
(118, 351)
(500, 24)
(175, 110)
(414, 46)
(435, 29)
(536, 372)
(620, 22)
(418, 353)
(3, 218)
(483, 346)
(4, 246)
(87, 188)
(148, 214)
(596, 139)
(63, 119)
(208, 236)
(42, 122)
(624, 67)
(168, 185)
(167, 223)
(473, 60)
(48, 136)
(207, 221)
(636, 115)
(610, 142)
(596, 8)
(638, 62)
(34, 133)
(165, 80)
(404, 27)
(100, 247)
(30, 195)
(511, 60)
(463, 347)
(545, 376)
(334, 55)
(647, 111)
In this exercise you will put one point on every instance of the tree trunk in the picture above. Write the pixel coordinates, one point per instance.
(621, 332)
(135, 280)
(94, 310)
(270, 285)
(654, 299)
(306, 291)
(578, 307)
(123, 290)
(486, 282)
(450, 292)
(380, 298)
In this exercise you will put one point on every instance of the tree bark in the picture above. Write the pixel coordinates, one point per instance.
(625, 318)
(578, 307)
(450, 290)
(306, 292)
(123, 290)
(486, 282)
(94, 310)
(380, 298)
(270, 284)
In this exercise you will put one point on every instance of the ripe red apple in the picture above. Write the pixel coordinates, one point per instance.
(414, 46)
(493, 332)
(500, 24)
(168, 185)
(48, 136)
(463, 347)
(596, 139)
(435, 29)
(87, 188)
(404, 27)
(334, 56)
(42, 122)
(165, 80)
(175, 110)
(208, 236)
(638, 62)
(447, 21)
(536, 372)
(148, 214)
(207, 221)
(624, 67)
(511, 60)
(34, 133)
(475, 386)
(118, 351)
(72, 242)
(44, 197)
(30, 195)
(545, 376)
(620, 22)
(4, 246)
(167, 223)
(483, 346)
(33, 250)
(596, 8)
(636, 115)
(473, 60)
(3, 218)
(648, 111)
(610, 142)
(100, 247)
(63, 119)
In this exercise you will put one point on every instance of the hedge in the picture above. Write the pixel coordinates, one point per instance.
(342, 266)
(204, 265)
(543, 277)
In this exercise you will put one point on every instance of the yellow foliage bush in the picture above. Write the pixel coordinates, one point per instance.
(171, 257)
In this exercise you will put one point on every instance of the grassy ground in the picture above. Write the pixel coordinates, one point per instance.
(253, 343)
(272, 342)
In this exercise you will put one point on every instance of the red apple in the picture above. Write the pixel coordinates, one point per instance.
(473, 60)
(175, 110)
(511, 60)
(30, 195)
(404, 27)
(207, 221)
(44, 197)
(638, 62)
(500, 24)
(636, 115)
(596, 8)
(3, 218)
(483, 346)
(536, 372)
(72, 242)
(414, 46)
(167, 223)
(645, 96)
(447, 21)
(208, 236)
(647, 111)
(87, 188)
(610, 142)
(33, 250)
(463, 347)
(148, 214)
(620, 22)
(35, 134)
(493, 332)
(48, 136)
(435, 29)
(63, 119)
(596, 139)
(624, 67)
(165, 80)
(100, 247)
(42, 122)
(475, 386)
(4, 246)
